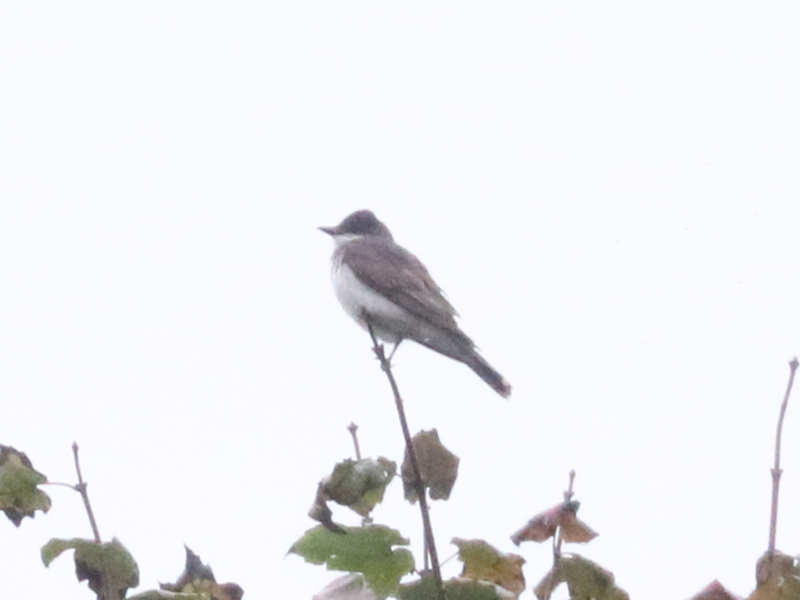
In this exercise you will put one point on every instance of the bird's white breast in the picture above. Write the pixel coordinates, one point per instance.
(356, 298)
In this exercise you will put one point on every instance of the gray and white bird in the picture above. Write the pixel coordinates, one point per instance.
(383, 284)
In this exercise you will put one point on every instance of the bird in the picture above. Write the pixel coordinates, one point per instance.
(386, 288)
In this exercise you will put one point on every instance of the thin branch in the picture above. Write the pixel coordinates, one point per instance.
(352, 428)
(568, 493)
(62, 484)
(81, 487)
(430, 544)
(776, 470)
(109, 593)
(449, 558)
(567, 497)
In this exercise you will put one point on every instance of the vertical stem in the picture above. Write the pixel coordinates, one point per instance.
(557, 538)
(109, 593)
(352, 428)
(81, 487)
(776, 470)
(567, 497)
(419, 486)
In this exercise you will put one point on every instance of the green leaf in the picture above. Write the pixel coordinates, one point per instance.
(483, 562)
(360, 484)
(19, 496)
(97, 563)
(584, 578)
(368, 550)
(165, 595)
(455, 589)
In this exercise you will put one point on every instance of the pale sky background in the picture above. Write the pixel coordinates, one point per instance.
(607, 191)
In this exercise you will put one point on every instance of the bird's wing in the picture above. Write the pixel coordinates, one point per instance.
(406, 282)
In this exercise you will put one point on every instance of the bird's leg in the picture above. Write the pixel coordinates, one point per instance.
(376, 346)
(396, 346)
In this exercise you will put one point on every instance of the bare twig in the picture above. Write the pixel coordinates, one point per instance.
(776, 470)
(430, 544)
(568, 493)
(81, 487)
(59, 483)
(109, 593)
(352, 428)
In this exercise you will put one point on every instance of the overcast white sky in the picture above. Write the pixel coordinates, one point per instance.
(608, 192)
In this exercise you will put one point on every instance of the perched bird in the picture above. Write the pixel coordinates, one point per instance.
(384, 285)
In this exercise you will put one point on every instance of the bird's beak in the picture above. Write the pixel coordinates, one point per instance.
(328, 230)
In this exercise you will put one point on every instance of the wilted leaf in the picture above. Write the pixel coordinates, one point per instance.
(368, 550)
(585, 580)
(455, 589)
(359, 484)
(544, 525)
(714, 591)
(320, 511)
(483, 562)
(19, 496)
(777, 577)
(352, 586)
(437, 465)
(97, 563)
(198, 578)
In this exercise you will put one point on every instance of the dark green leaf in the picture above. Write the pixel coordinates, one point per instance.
(360, 484)
(97, 563)
(19, 496)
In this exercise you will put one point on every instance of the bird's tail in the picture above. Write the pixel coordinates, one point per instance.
(485, 371)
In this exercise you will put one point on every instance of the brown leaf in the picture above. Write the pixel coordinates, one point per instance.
(543, 526)
(714, 591)
(438, 467)
(777, 577)
(576, 531)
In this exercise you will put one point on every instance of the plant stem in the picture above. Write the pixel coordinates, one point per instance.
(352, 428)
(81, 487)
(108, 591)
(69, 485)
(776, 470)
(557, 538)
(567, 497)
(420, 487)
